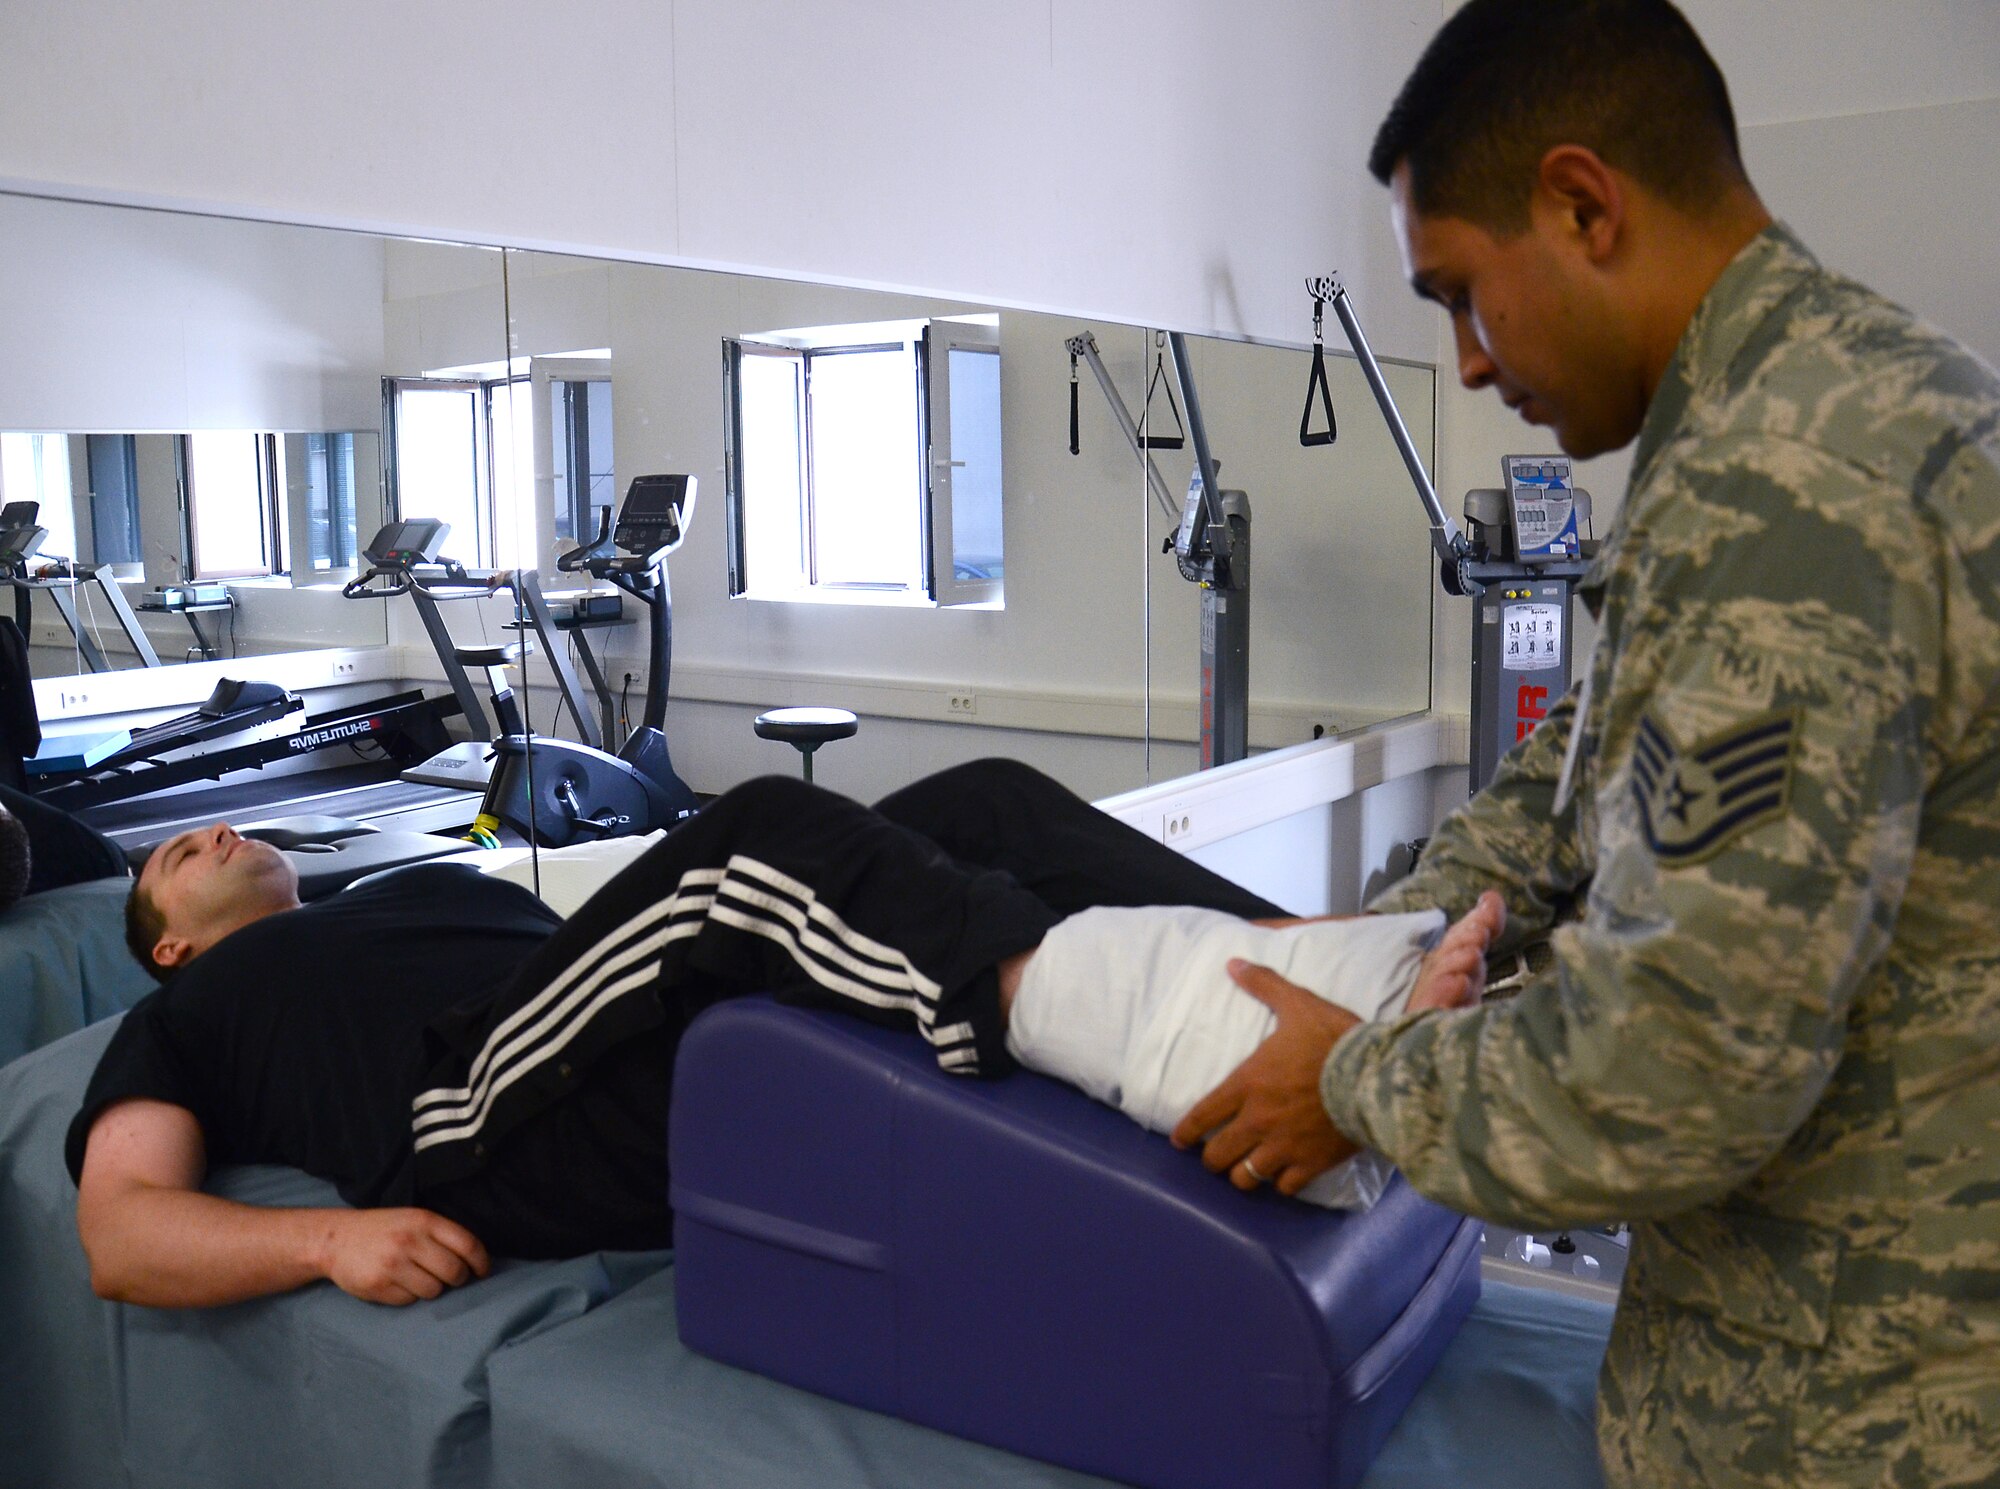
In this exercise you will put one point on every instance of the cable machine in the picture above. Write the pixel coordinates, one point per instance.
(1210, 544)
(1519, 564)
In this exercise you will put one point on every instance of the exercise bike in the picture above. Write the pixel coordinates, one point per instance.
(558, 792)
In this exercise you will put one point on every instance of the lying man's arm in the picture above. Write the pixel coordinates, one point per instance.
(154, 1237)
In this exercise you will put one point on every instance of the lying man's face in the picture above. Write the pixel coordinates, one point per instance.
(210, 881)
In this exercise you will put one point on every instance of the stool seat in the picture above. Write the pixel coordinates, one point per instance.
(491, 656)
(803, 726)
(806, 729)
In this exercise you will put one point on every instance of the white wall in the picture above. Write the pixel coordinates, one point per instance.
(1180, 161)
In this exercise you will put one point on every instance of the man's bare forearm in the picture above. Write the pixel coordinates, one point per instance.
(154, 1237)
(179, 1248)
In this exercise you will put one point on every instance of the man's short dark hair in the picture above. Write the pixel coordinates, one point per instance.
(1506, 81)
(144, 925)
(15, 858)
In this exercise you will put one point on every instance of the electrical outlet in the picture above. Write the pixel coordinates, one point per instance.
(343, 669)
(1176, 825)
(963, 705)
(67, 699)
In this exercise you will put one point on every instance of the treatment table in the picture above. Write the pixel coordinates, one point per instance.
(573, 1372)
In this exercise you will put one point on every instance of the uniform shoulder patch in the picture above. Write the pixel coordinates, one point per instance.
(1694, 801)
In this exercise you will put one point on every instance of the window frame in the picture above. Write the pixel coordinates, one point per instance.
(911, 347)
(544, 373)
(124, 507)
(480, 429)
(268, 505)
(298, 459)
(942, 337)
(932, 582)
(489, 477)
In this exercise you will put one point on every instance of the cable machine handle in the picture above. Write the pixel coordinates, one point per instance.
(1151, 440)
(1075, 443)
(1316, 383)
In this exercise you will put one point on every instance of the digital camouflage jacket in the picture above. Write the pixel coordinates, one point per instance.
(1771, 1039)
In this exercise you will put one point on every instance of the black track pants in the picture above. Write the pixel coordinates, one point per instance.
(1001, 814)
(898, 914)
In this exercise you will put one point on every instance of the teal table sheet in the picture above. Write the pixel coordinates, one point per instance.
(63, 964)
(557, 1373)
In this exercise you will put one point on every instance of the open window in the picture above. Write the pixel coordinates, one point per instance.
(438, 459)
(863, 463)
(229, 481)
(111, 462)
(519, 462)
(320, 484)
(574, 474)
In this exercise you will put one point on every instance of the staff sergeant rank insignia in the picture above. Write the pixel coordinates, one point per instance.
(1693, 801)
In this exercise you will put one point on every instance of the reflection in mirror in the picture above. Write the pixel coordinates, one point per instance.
(1089, 666)
(201, 402)
(211, 504)
(1339, 593)
(194, 406)
(162, 524)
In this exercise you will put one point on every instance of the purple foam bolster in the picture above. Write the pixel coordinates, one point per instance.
(1012, 1262)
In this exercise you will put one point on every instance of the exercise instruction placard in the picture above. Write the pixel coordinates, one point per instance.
(1531, 637)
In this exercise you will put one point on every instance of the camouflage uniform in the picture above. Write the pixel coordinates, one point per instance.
(1772, 1038)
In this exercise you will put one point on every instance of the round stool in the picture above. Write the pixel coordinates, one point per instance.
(806, 729)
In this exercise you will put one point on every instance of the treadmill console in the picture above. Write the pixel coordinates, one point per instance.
(18, 541)
(416, 540)
(655, 516)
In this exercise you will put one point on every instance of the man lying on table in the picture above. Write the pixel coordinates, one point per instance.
(480, 1077)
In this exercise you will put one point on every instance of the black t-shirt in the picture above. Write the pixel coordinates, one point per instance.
(300, 1038)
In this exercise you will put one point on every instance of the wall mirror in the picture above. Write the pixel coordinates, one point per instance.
(890, 513)
(1079, 640)
(194, 407)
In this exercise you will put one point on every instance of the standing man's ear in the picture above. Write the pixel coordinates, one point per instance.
(1587, 195)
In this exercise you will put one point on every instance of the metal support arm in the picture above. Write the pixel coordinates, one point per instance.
(1085, 346)
(1446, 539)
(1210, 519)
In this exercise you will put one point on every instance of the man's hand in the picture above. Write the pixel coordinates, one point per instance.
(399, 1256)
(1265, 1123)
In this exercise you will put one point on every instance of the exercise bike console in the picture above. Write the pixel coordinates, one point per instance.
(561, 793)
(654, 519)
